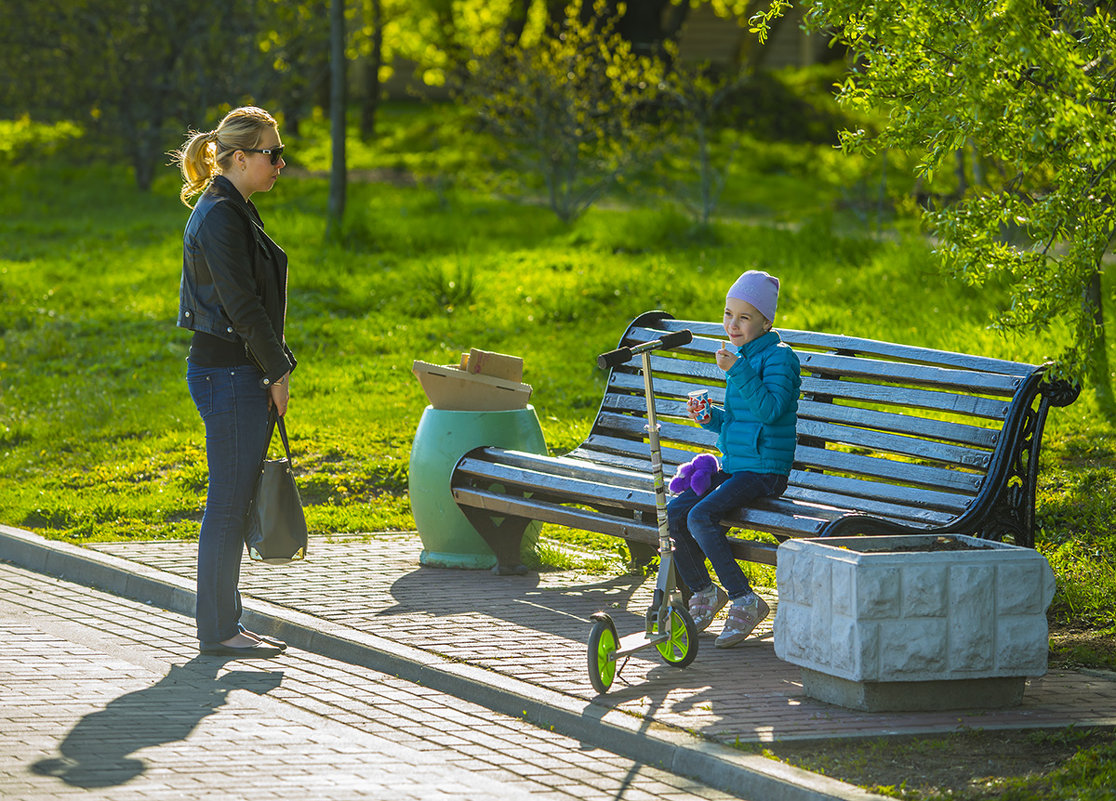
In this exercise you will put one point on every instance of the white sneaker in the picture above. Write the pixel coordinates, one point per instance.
(705, 605)
(742, 618)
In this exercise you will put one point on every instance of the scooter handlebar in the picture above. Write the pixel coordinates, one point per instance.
(622, 355)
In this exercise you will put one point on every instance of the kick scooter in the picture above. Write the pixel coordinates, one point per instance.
(667, 622)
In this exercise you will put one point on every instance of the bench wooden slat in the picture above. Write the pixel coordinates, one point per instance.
(587, 520)
(972, 405)
(886, 469)
(895, 443)
(561, 466)
(548, 512)
(840, 343)
(636, 450)
(635, 428)
(816, 457)
(891, 511)
(633, 383)
(899, 373)
(806, 522)
(962, 433)
(893, 422)
(637, 405)
(849, 367)
(935, 400)
(486, 464)
(620, 461)
(575, 490)
(858, 489)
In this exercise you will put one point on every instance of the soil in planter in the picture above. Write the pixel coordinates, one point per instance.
(938, 544)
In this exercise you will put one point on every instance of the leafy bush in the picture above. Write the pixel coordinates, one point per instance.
(25, 140)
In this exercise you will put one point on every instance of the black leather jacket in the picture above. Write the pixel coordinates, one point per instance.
(234, 279)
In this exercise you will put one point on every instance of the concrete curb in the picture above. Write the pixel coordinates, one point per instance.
(681, 753)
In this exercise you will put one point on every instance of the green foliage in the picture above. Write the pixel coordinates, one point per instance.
(694, 96)
(567, 109)
(1030, 87)
(134, 74)
(24, 139)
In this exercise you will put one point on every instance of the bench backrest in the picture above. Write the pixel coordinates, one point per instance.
(903, 433)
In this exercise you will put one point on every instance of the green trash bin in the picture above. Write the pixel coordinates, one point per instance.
(442, 438)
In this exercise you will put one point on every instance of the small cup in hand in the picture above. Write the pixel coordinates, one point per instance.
(698, 405)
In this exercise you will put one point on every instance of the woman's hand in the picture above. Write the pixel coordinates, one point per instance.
(279, 393)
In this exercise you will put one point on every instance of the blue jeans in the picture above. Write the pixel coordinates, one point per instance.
(233, 407)
(695, 527)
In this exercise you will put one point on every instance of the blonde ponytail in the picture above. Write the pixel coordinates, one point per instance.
(205, 154)
(197, 162)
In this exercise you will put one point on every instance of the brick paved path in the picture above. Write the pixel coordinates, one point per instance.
(102, 697)
(533, 628)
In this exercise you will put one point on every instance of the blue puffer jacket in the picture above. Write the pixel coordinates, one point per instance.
(757, 422)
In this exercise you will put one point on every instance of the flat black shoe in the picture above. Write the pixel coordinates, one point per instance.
(282, 646)
(260, 650)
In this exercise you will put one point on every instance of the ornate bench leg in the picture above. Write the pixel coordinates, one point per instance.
(642, 554)
(504, 538)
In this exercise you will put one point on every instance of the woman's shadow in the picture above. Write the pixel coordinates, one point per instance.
(96, 752)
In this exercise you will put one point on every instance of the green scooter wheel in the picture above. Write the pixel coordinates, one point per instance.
(680, 648)
(602, 644)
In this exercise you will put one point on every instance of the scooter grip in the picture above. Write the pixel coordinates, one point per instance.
(678, 338)
(614, 357)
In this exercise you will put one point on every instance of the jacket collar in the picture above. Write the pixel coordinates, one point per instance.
(768, 340)
(222, 187)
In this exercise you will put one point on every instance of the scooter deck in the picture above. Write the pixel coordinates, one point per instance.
(637, 641)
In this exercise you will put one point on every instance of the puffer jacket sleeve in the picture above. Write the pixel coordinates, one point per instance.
(227, 245)
(716, 418)
(775, 393)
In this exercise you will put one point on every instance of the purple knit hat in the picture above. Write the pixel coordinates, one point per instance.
(759, 289)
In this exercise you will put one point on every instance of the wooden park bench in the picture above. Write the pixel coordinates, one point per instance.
(891, 439)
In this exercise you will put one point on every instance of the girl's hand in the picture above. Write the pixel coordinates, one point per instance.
(725, 358)
(279, 395)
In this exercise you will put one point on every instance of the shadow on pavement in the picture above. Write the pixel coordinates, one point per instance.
(520, 600)
(96, 752)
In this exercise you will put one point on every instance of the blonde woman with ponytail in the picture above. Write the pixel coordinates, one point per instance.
(233, 297)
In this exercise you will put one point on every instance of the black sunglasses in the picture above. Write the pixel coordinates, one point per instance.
(276, 153)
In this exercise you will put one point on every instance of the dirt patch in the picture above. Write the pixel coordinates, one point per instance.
(971, 765)
(937, 544)
(1073, 649)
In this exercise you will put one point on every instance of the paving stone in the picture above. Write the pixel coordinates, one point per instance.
(97, 705)
(529, 629)
(533, 628)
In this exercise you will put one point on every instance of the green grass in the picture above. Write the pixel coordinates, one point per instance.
(1071, 764)
(99, 440)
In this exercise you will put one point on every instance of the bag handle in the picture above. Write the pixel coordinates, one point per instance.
(283, 434)
(274, 419)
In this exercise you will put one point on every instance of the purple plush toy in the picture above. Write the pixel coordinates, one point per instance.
(696, 474)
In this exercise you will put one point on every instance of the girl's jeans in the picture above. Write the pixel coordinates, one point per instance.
(695, 527)
(234, 408)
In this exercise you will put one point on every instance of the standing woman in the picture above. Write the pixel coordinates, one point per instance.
(234, 298)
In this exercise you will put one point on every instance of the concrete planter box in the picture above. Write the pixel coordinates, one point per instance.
(913, 622)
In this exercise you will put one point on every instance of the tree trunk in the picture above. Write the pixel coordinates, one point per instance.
(370, 103)
(1100, 374)
(337, 175)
